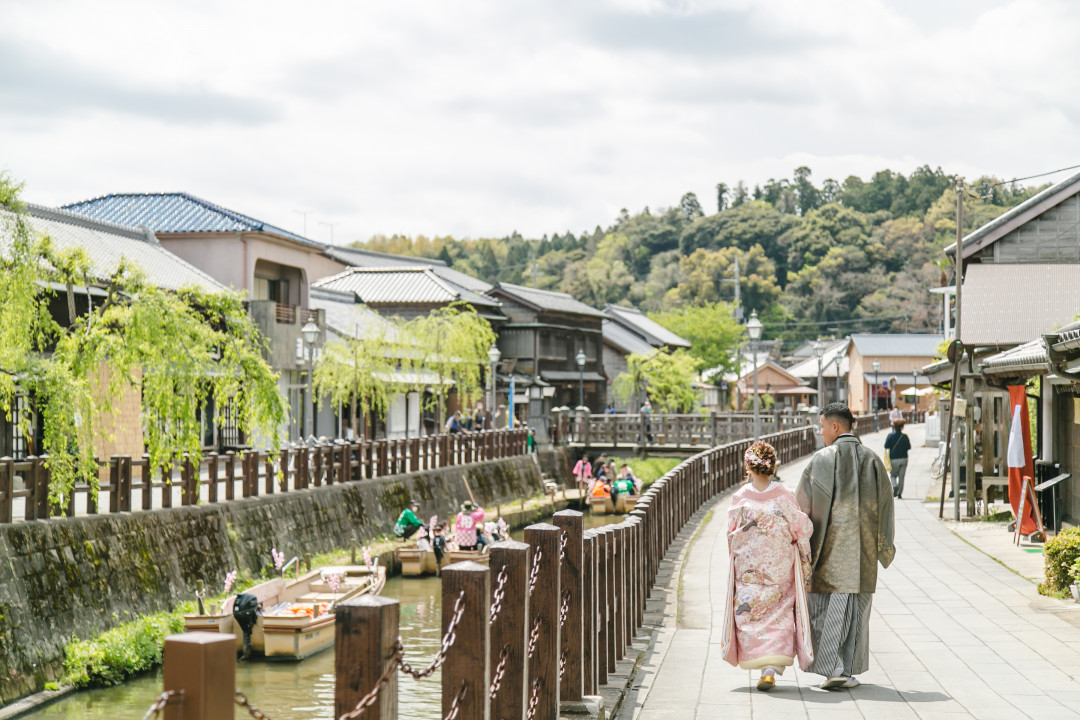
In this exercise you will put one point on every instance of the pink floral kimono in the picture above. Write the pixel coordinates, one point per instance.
(766, 621)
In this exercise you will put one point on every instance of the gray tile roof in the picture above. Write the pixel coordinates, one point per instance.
(413, 284)
(1011, 304)
(638, 322)
(630, 343)
(808, 369)
(176, 212)
(358, 257)
(106, 243)
(1065, 189)
(548, 300)
(346, 317)
(1029, 358)
(897, 344)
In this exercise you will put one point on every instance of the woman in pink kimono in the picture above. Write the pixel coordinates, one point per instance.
(767, 625)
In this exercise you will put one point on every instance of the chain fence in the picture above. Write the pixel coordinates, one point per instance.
(499, 595)
(158, 706)
(500, 671)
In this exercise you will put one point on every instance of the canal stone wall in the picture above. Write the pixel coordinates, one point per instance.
(71, 577)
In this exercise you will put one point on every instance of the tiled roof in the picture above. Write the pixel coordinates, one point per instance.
(1011, 304)
(808, 369)
(898, 344)
(638, 322)
(176, 212)
(1031, 357)
(358, 257)
(630, 343)
(349, 318)
(415, 284)
(548, 300)
(106, 243)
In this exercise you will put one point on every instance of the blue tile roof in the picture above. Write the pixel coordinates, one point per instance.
(176, 212)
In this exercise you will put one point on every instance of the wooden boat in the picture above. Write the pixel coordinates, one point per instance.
(297, 618)
(415, 561)
(603, 506)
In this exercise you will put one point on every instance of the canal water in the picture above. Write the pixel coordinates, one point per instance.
(304, 690)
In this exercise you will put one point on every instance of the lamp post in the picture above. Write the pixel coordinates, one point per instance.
(915, 385)
(493, 356)
(819, 350)
(580, 357)
(753, 329)
(877, 367)
(310, 331)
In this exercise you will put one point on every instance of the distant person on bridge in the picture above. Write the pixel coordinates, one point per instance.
(847, 494)
(766, 623)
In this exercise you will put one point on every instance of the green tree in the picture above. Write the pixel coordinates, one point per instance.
(664, 377)
(710, 328)
(708, 277)
(691, 207)
(721, 197)
(453, 343)
(179, 349)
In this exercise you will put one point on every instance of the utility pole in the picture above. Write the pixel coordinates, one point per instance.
(533, 266)
(737, 280)
(304, 214)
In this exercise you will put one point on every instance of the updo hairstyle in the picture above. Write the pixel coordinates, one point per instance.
(760, 458)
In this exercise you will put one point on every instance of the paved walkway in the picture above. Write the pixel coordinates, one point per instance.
(954, 634)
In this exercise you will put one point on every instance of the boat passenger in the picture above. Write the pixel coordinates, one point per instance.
(408, 523)
(438, 544)
(468, 521)
(628, 474)
(601, 489)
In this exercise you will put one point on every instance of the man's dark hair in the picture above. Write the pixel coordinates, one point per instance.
(840, 412)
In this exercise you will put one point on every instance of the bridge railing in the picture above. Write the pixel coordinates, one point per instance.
(545, 624)
(133, 484)
(670, 430)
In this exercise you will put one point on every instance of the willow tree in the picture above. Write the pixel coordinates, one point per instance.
(178, 349)
(452, 343)
(666, 378)
(360, 371)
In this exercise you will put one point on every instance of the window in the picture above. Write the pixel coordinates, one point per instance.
(269, 289)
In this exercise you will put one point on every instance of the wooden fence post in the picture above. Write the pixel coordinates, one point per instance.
(7, 486)
(230, 475)
(114, 487)
(637, 522)
(212, 477)
(510, 626)
(544, 600)
(588, 612)
(572, 524)
(600, 539)
(202, 666)
(366, 634)
(466, 671)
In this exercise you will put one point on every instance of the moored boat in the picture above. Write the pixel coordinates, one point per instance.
(297, 616)
(415, 561)
(604, 506)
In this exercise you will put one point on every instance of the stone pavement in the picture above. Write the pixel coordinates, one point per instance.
(954, 634)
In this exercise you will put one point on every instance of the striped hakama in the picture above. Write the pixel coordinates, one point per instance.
(840, 628)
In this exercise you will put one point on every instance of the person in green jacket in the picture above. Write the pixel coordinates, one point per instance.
(408, 523)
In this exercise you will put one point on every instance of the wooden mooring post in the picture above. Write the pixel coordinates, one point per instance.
(572, 524)
(510, 615)
(544, 604)
(466, 674)
(366, 636)
(200, 669)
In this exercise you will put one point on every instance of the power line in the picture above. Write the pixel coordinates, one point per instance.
(882, 318)
(1032, 177)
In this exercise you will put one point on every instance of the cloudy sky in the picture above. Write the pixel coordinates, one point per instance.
(479, 117)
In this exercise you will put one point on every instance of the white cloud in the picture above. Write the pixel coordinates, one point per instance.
(481, 117)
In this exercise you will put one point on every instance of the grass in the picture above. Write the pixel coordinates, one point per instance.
(648, 469)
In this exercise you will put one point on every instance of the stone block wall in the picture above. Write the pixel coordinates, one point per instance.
(79, 576)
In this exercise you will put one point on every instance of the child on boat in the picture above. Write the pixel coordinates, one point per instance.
(767, 624)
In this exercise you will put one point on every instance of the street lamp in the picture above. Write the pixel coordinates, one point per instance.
(310, 331)
(819, 350)
(915, 386)
(580, 357)
(877, 367)
(753, 329)
(493, 356)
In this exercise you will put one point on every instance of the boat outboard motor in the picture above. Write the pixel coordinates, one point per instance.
(246, 613)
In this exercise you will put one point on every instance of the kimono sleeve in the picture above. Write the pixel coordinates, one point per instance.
(885, 543)
(804, 494)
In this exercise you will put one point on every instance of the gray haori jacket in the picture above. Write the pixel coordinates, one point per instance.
(845, 490)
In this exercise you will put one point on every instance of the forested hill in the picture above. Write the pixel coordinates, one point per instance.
(857, 256)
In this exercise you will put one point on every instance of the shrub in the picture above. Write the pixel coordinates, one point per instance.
(1060, 554)
(121, 652)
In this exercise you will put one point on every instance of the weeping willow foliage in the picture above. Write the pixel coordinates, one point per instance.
(177, 349)
(450, 343)
(666, 378)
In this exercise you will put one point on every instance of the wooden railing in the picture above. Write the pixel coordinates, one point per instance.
(133, 485)
(670, 431)
(544, 625)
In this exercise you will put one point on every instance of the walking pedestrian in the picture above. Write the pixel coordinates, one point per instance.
(897, 444)
(847, 494)
(766, 622)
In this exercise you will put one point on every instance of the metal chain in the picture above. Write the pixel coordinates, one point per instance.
(242, 701)
(369, 699)
(534, 573)
(161, 701)
(455, 707)
(447, 643)
(500, 594)
(534, 699)
(562, 662)
(500, 670)
(562, 545)
(565, 609)
(534, 635)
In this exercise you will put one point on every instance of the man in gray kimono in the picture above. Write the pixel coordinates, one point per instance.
(845, 490)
